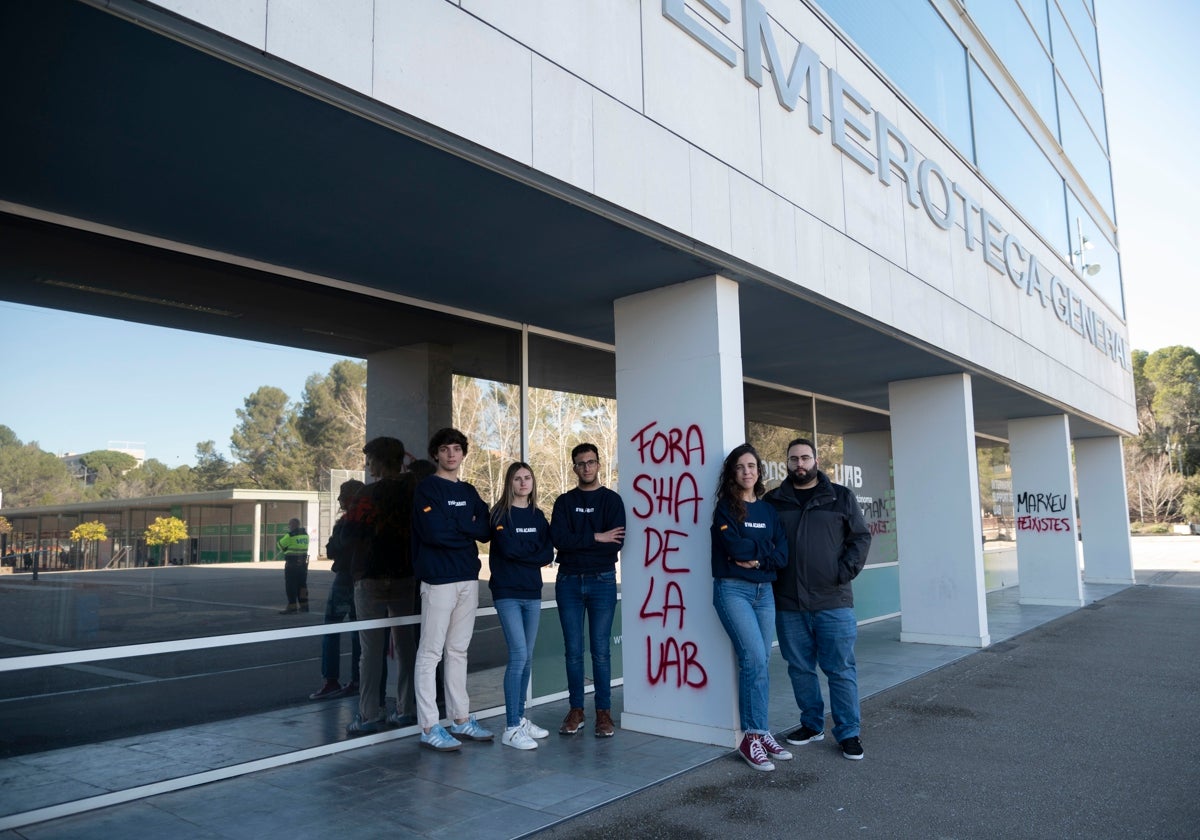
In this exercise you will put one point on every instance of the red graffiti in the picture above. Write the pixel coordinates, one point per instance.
(669, 495)
(1040, 524)
(680, 658)
(668, 604)
(667, 446)
(658, 546)
(877, 527)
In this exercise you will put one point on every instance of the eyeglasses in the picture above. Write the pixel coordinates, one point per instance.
(586, 465)
(803, 459)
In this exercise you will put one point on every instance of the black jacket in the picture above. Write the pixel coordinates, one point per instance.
(828, 541)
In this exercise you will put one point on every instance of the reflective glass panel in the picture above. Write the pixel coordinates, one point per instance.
(1037, 14)
(1015, 165)
(911, 43)
(1008, 31)
(1097, 261)
(1086, 154)
(1081, 85)
(1078, 14)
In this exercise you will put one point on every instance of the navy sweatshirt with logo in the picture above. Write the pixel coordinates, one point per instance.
(520, 547)
(578, 516)
(449, 518)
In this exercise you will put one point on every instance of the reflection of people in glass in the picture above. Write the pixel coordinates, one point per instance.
(748, 546)
(294, 547)
(380, 523)
(340, 605)
(520, 547)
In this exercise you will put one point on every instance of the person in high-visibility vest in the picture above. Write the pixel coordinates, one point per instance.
(294, 547)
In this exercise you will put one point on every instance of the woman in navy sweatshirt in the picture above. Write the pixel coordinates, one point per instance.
(748, 545)
(520, 547)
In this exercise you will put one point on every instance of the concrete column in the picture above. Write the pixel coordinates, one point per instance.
(680, 410)
(409, 394)
(938, 534)
(1103, 510)
(1044, 507)
(256, 552)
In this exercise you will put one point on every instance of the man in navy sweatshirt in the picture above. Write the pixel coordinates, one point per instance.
(588, 528)
(449, 518)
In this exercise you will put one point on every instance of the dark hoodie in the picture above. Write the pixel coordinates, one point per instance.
(828, 541)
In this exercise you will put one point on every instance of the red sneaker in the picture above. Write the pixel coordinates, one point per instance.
(752, 751)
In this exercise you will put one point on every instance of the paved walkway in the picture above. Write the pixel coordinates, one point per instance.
(1002, 743)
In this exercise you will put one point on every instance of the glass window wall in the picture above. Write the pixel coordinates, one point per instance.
(1015, 164)
(911, 43)
(1009, 32)
(1075, 78)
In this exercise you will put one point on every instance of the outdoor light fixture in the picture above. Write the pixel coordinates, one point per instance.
(1091, 270)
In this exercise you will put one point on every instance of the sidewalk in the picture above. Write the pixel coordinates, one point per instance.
(395, 789)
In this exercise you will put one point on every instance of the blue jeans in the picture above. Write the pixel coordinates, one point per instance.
(519, 621)
(339, 608)
(825, 638)
(747, 611)
(596, 595)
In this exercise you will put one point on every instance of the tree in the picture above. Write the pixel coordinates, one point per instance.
(5, 526)
(166, 531)
(153, 478)
(332, 420)
(115, 462)
(32, 478)
(1153, 489)
(90, 534)
(267, 442)
(1173, 377)
(213, 471)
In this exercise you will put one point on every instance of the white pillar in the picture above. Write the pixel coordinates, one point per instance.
(680, 410)
(938, 533)
(1044, 508)
(409, 394)
(1103, 510)
(256, 553)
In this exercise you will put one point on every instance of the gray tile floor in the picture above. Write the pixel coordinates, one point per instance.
(390, 787)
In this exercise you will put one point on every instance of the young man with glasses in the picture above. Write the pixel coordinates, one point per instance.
(828, 541)
(587, 527)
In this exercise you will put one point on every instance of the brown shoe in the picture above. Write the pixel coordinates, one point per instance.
(572, 723)
(604, 724)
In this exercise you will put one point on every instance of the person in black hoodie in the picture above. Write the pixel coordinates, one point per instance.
(449, 518)
(520, 548)
(828, 542)
(748, 546)
(588, 529)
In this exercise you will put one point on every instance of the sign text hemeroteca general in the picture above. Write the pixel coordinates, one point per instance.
(853, 122)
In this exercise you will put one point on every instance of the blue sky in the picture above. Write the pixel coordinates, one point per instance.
(75, 383)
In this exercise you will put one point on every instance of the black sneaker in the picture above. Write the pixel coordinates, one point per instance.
(852, 748)
(803, 735)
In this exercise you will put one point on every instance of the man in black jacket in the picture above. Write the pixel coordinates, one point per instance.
(828, 541)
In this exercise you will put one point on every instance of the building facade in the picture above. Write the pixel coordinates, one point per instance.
(889, 226)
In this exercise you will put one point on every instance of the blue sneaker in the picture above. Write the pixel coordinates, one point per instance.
(471, 730)
(358, 726)
(437, 738)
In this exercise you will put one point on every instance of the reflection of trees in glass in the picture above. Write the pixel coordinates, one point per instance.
(166, 531)
(90, 534)
(489, 414)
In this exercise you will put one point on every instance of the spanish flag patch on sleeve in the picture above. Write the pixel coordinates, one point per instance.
(427, 508)
(724, 527)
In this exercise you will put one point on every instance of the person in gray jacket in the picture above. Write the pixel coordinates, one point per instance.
(828, 541)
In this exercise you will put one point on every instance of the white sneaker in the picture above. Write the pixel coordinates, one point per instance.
(515, 736)
(533, 730)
